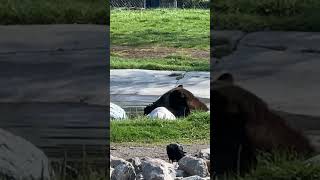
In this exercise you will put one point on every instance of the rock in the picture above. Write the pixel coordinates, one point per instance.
(111, 170)
(196, 177)
(116, 112)
(124, 171)
(208, 165)
(161, 113)
(136, 164)
(19, 159)
(204, 154)
(178, 178)
(194, 166)
(115, 161)
(139, 176)
(157, 169)
(180, 173)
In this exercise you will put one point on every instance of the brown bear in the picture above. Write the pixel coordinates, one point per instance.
(241, 124)
(179, 101)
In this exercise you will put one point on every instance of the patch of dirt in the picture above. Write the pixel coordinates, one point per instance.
(157, 151)
(159, 52)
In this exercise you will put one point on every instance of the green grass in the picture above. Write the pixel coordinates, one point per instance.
(251, 15)
(194, 128)
(161, 27)
(174, 63)
(281, 166)
(54, 11)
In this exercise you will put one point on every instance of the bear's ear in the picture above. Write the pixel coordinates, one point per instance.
(181, 86)
(226, 77)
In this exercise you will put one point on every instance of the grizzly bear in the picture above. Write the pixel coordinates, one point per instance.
(242, 124)
(179, 101)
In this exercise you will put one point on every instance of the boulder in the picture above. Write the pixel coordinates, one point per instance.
(115, 161)
(180, 173)
(123, 171)
(161, 113)
(111, 170)
(19, 159)
(194, 166)
(196, 177)
(136, 162)
(204, 154)
(116, 112)
(157, 169)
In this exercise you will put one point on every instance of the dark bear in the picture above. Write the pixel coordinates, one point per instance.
(179, 101)
(175, 152)
(242, 124)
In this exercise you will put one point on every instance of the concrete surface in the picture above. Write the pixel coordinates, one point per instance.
(54, 87)
(141, 87)
(280, 67)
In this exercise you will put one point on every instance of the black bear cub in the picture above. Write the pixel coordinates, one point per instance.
(175, 152)
(178, 101)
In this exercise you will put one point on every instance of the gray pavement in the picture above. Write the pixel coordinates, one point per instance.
(141, 87)
(283, 68)
(53, 87)
(53, 63)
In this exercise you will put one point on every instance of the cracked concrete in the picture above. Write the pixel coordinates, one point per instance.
(272, 65)
(283, 69)
(53, 86)
(53, 63)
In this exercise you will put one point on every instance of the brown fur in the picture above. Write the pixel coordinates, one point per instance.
(179, 101)
(244, 119)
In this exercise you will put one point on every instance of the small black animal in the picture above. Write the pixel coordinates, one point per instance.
(175, 152)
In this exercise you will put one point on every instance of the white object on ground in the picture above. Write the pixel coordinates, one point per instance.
(161, 113)
(116, 112)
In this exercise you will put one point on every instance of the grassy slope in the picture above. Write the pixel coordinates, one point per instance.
(160, 27)
(251, 15)
(195, 128)
(54, 11)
